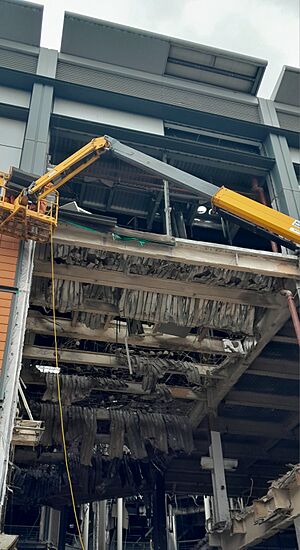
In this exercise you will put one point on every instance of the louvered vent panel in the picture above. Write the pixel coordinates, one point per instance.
(156, 92)
(18, 61)
(289, 122)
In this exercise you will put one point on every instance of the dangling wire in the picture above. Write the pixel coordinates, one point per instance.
(59, 396)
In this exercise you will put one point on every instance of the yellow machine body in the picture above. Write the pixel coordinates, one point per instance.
(257, 214)
(33, 213)
(24, 221)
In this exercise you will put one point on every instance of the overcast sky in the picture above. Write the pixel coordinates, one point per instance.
(268, 29)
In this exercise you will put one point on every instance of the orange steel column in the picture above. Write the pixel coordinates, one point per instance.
(9, 250)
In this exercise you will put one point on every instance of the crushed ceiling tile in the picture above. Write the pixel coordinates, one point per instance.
(92, 320)
(80, 428)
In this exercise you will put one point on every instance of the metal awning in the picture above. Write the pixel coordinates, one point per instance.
(161, 55)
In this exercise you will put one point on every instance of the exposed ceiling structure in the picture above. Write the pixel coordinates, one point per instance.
(187, 356)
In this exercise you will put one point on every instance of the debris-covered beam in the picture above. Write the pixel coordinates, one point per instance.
(272, 367)
(186, 251)
(257, 428)
(146, 283)
(268, 326)
(105, 360)
(88, 305)
(236, 450)
(44, 326)
(269, 515)
(263, 400)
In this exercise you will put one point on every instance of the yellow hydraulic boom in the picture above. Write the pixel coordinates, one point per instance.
(32, 213)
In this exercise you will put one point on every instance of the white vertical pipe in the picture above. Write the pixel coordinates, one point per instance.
(42, 536)
(99, 529)
(85, 524)
(120, 524)
(96, 526)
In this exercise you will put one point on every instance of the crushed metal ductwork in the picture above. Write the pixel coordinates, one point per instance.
(137, 265)
(92, 320)
(76, 388)
(190, 312)
(70, 295)
(162, 432)
(80, 429)
(153, 368)
(45, 483)
(148, 307)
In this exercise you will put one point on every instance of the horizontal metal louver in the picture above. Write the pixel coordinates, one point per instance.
(18, 61)
(289, 121)
(156, 92)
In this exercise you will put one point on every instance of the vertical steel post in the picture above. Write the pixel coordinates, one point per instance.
(119, 524)
(53, 526)
(42, 524)
(63, 529)
(99, 528)
(172, 533)
(159, 514)
(294, 313)
(33, 159)
(85, 515)
(297, 529)
(167, 208)
(221, 504)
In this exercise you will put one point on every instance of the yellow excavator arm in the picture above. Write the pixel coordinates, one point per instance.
(68, 168)
(33, 213)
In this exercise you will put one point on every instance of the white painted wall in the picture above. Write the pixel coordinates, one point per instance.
(110, 117)
(11, 142)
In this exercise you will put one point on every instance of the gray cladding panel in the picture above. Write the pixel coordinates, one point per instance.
(208, 77)
(287, 89)
(288, 121)
(18, 61)
(21, 22)
(116, 46)
(156, 92)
